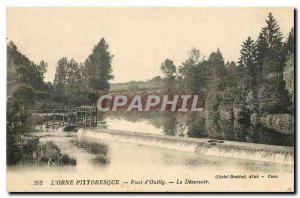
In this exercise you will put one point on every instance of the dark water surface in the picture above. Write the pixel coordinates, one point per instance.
(187, 125)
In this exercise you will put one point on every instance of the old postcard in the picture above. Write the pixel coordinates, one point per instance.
(150, 99)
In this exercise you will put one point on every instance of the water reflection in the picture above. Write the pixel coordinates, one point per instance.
(195, 125)
(236, 131)
(99, 150)
(170, 124)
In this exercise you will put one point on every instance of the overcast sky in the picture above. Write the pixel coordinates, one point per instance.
(139, 38)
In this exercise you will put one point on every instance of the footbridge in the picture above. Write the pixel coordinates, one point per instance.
(84, 116)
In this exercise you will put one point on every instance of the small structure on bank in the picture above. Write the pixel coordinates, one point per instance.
(86, 116)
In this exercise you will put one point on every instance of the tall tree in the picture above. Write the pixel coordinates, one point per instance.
(289, 44)
(192, 72)
(169, 70)
(98, 66)
(233, 77)
(248, 66)
(271, 94)
(216, 71)
(61, 76)
(249, 70)
(68, 82)
(42, 68)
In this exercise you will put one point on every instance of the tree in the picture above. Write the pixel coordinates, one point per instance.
(248, 65)
(289, 45)
(248, 68)
(60, 77)
(24, 80)
(68, 83)
(216, 71)
(21, 70)
(169, 70)
(192, 73)
(271, 93)
(99, 69)
(42, 67)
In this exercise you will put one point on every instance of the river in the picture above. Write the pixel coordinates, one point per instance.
(106, 158)
(173, 124)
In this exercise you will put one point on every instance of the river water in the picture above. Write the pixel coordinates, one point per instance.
(132, 163)
(172, 124)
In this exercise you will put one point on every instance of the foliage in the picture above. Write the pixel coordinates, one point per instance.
(98, 66)
(216, 72)
(283, 123)
(20, 70)
(260, 83)
(78, 84)
(192, 73)
(272, 95)
(15, 126)
(169, 124)
(169, 70)
(289, 77)
(25, 83)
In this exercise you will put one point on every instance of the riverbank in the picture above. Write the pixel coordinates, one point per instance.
(39, 153)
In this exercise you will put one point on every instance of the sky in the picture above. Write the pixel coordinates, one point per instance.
(140, 38)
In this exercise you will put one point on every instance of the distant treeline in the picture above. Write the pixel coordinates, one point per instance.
(154, 84)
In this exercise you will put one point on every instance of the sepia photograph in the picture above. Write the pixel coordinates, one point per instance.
(150, 99)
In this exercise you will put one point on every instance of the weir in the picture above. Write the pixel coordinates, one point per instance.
(203, 146)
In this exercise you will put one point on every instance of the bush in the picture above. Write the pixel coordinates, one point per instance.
(51, 154)
(283, 123)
